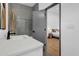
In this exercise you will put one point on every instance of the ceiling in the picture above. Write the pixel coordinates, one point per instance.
(28, 4)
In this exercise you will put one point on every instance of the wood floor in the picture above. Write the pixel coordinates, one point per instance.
(53, 47)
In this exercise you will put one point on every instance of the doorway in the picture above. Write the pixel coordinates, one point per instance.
(53, 30)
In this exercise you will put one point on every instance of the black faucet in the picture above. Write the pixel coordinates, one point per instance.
(8, 35)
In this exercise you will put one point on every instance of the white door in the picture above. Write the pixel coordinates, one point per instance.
(70, 29)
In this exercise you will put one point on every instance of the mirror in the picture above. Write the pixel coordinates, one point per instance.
(20, 18)
(3, 23)
(2, 16)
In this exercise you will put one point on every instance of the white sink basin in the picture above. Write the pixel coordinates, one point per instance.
(21, 45)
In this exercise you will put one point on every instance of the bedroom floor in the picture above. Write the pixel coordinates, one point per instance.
(53, 47)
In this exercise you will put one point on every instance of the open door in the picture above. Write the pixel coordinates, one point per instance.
(53, 37)
(39, 26)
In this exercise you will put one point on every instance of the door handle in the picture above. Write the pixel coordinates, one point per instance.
(33, 31)
(44, 29)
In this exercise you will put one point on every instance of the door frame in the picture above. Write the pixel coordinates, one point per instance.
(46, 9)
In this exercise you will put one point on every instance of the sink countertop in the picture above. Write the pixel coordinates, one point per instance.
(18, 44)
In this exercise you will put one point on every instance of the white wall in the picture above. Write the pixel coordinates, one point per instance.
(70, 29)
(53, 18)
(53, 21)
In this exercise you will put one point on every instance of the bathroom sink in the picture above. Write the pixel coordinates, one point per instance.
(21, 45)
(20, 37)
